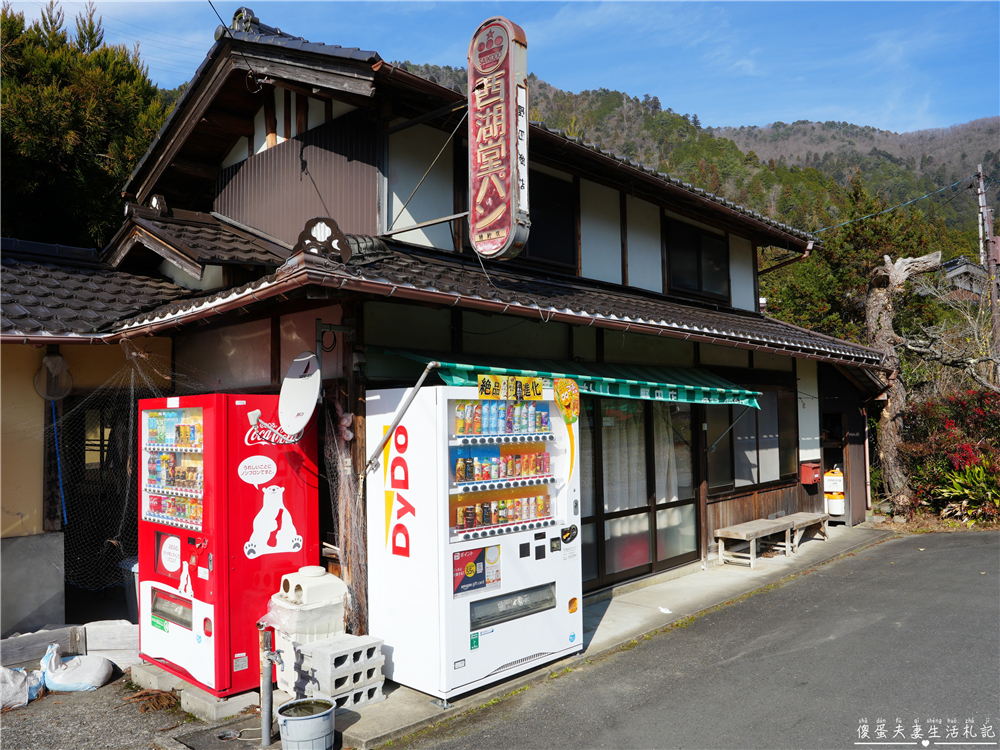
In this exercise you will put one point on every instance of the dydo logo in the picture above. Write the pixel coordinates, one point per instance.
(396, 480)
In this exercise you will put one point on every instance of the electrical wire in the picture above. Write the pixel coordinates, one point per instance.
(879, 213)
(251, 73)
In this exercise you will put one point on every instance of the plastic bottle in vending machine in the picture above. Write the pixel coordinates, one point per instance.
(494, 512)
(460, 517)
(477, 419)
(517, 510)
(509, 427)
(502, 511)
(494, 416)
(524, 418)
(531, 417)
(171, 427)
(460, 418)
(501, 417)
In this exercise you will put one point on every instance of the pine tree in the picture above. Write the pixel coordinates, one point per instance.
(77, 117)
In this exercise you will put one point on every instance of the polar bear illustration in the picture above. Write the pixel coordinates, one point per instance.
(273, 527)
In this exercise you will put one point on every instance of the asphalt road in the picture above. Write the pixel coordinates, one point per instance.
(902, 638)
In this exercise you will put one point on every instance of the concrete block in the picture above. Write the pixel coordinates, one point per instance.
(112, 634)
(117, 640)
(209, 708)
(355, 699)
(334, 665)
(153, 677)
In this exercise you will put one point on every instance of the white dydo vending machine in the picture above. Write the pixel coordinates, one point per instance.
(473, 531)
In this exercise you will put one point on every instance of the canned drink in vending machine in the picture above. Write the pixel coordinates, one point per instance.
(460, 517)
(470, 517)
(540, 506)
(460, 470)
(479, 514)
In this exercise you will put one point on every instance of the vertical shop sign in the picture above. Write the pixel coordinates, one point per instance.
(498, 139)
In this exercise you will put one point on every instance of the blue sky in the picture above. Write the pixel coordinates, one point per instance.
(898, 66)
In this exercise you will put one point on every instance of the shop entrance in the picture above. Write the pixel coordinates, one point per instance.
(638, 488)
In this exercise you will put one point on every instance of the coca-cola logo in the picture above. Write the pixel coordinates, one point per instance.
(269, 434)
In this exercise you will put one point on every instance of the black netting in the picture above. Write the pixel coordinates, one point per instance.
(91, 466)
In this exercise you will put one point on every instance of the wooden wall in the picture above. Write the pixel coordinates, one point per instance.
(749, 506)
(329, 171)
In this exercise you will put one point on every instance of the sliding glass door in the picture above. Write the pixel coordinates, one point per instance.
(638, 488)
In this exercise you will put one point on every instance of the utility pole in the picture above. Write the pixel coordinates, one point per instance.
(989, 251)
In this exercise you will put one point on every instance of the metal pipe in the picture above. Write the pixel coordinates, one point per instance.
(746, 409)
(432, 365)
(796, 259)
(266, 697)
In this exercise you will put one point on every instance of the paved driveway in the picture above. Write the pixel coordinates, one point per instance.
(899, 643)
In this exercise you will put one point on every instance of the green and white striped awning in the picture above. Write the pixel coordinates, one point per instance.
(646, 382)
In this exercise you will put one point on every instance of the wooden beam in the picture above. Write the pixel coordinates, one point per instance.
(337, 79)
(195, 109)
(288, 114)
(301, 114)
(270, 119)
(196, 168)
(230, 122)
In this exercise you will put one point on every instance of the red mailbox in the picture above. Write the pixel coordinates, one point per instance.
(809, 472)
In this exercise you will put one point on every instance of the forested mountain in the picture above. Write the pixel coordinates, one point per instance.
(796, 173)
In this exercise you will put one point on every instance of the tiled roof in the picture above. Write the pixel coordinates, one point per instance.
(70, 295)
(461, 281)
(205, 238)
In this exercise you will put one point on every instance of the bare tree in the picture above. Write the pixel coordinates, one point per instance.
(963, 342)
(887, 281)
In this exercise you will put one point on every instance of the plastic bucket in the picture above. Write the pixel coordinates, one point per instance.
(836, 505)
(306, 724)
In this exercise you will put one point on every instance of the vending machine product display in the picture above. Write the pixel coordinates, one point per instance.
(473, 532)
(227, 506)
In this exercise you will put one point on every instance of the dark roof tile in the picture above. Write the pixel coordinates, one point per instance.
(44, 297)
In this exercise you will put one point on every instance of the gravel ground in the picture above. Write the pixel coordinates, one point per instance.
(95, 720)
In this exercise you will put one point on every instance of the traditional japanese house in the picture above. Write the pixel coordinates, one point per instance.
(628, 273)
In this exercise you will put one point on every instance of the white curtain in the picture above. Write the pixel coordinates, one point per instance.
(745, 442)
(770, 467)
(624, 455)
(666, 454)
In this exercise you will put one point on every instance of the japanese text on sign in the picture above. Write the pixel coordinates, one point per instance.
(509, 387)
(498, 140)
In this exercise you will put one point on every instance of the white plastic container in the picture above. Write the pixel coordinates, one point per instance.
(309, 607)
(306, 724)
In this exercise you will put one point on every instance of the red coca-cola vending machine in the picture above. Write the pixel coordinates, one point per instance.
(228, 505)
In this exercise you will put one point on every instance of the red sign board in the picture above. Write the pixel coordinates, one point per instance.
(498, 139)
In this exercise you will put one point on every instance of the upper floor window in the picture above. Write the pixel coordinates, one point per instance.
(553, 220)
(697, 261)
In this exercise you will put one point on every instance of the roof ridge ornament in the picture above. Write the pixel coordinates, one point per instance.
(322, 236)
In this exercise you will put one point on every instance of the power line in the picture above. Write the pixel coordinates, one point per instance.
(879, 213)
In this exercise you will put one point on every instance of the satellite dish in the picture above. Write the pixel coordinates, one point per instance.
(53, 380)
(299, 393)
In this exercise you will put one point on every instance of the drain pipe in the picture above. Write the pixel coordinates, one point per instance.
(373, 459)
(267, 658)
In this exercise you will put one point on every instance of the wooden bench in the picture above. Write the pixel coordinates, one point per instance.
(751, 531)
(802, 521)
